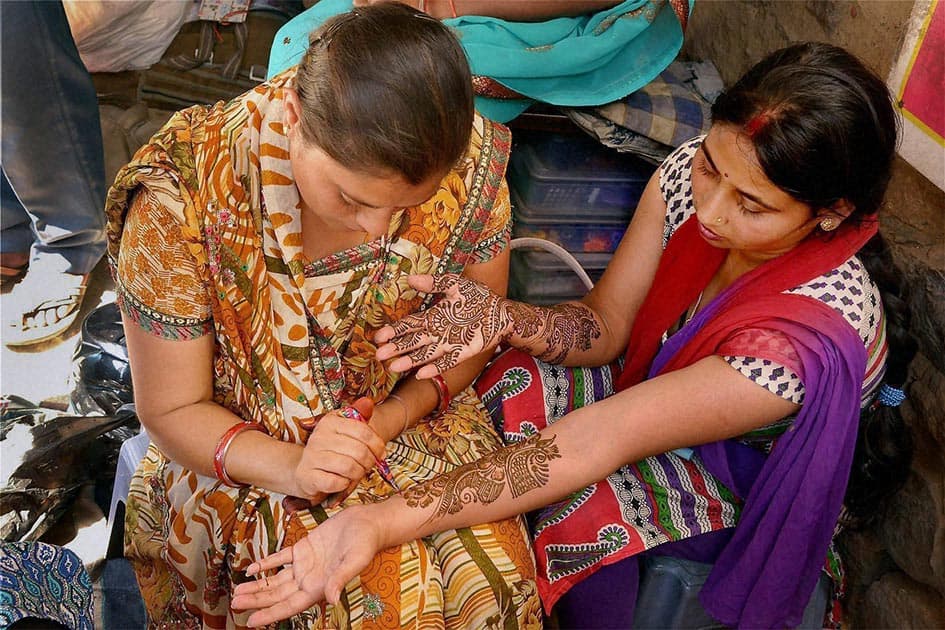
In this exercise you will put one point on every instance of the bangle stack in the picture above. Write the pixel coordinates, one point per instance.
(443, 392)
(219, 455)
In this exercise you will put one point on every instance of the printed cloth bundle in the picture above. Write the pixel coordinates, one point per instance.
(658, 117)
(43, 581)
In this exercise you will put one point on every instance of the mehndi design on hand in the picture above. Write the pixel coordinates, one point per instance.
(470, 319)
(466, 321)
(521, 467)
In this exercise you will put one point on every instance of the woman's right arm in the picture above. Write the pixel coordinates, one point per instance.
(470, 319)
(173, 383)
(173, 378)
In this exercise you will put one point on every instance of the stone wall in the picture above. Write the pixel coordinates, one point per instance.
(896, 569)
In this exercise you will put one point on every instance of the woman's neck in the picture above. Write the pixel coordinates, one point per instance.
(321, 239)
(732, 268)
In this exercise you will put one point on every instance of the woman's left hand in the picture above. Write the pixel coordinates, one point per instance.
(467, 320)
(315, 569)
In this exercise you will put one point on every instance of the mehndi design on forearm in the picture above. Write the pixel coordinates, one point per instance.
(521, 467)
(562, 328)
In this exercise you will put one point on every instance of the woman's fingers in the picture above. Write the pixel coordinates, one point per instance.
(263, 592)
(425, 355)
(446, 361)
(273, 561)
(292, 604)
(410, 341)
(343, 465)
(349, 437)
(424, 282)
(418, 322)
(403, 326)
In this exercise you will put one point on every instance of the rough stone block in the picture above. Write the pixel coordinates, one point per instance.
(925, 408)
(864, 557)
(736, 34)
(896, 601)
(913, 529)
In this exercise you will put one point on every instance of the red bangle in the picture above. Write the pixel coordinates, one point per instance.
(219, 455)
(443, 392)
(453, 8)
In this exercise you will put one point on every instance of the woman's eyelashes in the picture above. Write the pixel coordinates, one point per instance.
(748, 211)
(703, 166)
(704, 169)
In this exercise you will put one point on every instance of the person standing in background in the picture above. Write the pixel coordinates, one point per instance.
(53, 173)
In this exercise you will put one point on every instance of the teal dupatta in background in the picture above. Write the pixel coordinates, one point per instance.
(572, 61)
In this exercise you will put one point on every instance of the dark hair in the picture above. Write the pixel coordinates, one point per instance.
(823, 125)
(387, 86)
(824, 128)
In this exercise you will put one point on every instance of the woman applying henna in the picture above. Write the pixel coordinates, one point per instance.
(257, 246)
(745, 301)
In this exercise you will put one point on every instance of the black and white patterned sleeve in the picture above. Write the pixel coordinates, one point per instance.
(771, 375)
(676, 185)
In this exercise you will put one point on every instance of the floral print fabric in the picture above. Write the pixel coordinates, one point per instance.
(212, 244)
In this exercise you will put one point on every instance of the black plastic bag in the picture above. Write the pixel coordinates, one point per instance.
(47, 457)
(101, 373)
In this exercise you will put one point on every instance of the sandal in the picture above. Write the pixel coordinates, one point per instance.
(45, 318)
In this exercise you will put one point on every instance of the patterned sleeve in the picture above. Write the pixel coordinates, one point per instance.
(159, 287)
(775, 365)
(676, 186)
(497, 231)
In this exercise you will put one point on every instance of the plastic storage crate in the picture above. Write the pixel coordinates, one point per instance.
(546, 261)
(569, 173)
(545, 285)
(576, 232)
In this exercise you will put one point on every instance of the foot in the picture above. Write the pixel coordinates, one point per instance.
(42, 306)
(13, 266)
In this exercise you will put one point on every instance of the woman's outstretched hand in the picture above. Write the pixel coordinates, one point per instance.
(467, 320)
(314, 569)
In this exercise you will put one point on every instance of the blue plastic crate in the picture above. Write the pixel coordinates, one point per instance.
(564, 174)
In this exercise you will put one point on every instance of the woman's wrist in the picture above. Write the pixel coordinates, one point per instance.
(261, 460)
(391, 417)
(509, 313)
(440, 9)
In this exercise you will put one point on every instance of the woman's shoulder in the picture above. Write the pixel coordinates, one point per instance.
(489, 142)
(851, 292)
(675, 179)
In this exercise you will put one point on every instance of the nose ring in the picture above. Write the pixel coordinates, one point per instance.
(718, 220)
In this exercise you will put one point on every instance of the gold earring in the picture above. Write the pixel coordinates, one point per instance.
(828, 224)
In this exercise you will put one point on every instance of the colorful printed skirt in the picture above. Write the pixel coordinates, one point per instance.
(190, 539)
(657, 500)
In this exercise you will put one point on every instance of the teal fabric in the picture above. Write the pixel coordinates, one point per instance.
(587, 60)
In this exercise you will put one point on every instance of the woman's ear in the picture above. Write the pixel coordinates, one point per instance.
(293, 109)
(831, 217)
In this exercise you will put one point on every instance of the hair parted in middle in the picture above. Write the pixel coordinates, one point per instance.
(387, 87)
(822, 124)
